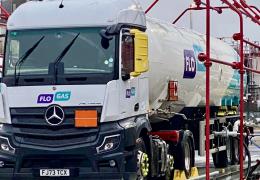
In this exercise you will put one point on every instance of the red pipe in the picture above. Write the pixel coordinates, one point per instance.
(216, 8)
(254, 7)
(252, 70)
(5, 12)
(151, 6)
(188, 9)
(234, 65)
(257, 14)
(213, 8)
(207, 65)
(252, 44)
(242, 72)
(254, 19)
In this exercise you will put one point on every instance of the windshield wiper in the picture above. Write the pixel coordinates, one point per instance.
(22, 59)
(62, 54)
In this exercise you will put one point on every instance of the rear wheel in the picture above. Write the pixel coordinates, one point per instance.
(184, 155)
(170, 164)
(142, 160)
(236, 150)
(220, 159)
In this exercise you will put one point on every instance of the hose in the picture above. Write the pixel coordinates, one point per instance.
(254, 143)
(249, 158)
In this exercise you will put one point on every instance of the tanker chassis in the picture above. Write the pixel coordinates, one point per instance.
(95, 89)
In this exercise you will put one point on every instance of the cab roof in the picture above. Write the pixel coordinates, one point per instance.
(76, 13)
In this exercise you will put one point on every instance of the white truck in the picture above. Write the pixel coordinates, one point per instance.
(95, 89)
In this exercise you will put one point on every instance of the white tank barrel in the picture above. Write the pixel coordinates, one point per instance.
(173, 56)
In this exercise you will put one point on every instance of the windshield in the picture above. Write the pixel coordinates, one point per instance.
(85, 56)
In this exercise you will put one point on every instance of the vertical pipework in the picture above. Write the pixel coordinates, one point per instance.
(207, 64)
(242, 72)
(240, 37)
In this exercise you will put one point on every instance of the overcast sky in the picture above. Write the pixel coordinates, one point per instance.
(224, 25)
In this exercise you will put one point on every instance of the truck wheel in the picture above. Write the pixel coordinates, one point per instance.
(170, 167)
(220, 159)
(232, 151)
(236, 150)
(185, 154)
(142, 160)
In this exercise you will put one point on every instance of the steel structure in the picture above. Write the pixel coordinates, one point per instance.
(240, 9)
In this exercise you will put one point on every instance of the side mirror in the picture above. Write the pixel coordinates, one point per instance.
(141, 63)
(105, 38)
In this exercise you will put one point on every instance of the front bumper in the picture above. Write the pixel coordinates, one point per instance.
(82, 160)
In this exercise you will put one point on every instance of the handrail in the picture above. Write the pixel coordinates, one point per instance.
(151, 6)
(257, 14)
(219, 10)
(252, 44)
(239, 6)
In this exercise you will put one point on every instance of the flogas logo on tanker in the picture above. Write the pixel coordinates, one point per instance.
(189, 64)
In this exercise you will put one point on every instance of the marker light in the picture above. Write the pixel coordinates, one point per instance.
(5, 145)
(109, 143)
(2, 164)
(112, 163)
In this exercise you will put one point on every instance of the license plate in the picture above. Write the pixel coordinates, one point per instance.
(54, 172)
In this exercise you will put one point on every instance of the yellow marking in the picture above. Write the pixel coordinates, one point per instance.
(194, 172)
(179, 175)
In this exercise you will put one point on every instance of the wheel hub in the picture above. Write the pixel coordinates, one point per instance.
(143, 164)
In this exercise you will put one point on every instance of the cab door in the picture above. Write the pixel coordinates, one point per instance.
(129, 85)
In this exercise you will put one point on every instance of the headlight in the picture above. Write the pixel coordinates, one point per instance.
(5, 145)
(109, 143)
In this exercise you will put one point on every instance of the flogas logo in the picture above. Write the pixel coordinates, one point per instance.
(197, 50)
(57, 97)
(190, 66)
(130, 92)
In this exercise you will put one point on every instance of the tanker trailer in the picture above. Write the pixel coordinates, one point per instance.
(177, 87)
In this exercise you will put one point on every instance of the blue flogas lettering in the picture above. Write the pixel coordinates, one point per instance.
(197, 50)
(189, 64)
(62, 96)
(49, 98)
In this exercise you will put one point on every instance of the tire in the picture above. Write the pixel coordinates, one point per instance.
(220, 159)
(184, 158)
(233, 151)
(169, 174)
(142, 160)
(236, 150)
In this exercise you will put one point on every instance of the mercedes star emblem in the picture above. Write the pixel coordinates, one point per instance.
(54, 115)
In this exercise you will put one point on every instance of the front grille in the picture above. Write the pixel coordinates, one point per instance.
(30, 127)
(57, 161)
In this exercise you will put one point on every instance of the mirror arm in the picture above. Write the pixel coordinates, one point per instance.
(125, 76)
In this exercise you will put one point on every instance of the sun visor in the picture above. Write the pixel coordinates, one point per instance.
(132, 16)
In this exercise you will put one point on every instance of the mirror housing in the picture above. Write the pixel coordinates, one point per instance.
(141, 63)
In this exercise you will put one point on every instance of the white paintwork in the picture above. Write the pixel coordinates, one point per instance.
(5, 114)
(166, 55)
(75, 13)
(81, 95)
(166, 46)
(126, 105)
